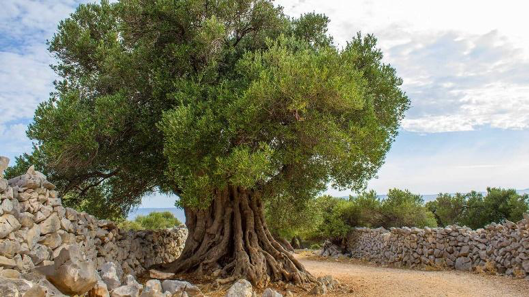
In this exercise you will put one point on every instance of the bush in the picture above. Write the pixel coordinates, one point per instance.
(402, 208)
(152, 221)
(476, 211)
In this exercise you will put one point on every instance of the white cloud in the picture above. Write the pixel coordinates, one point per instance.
(462, 67)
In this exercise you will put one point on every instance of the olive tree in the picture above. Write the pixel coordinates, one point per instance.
(226, 104)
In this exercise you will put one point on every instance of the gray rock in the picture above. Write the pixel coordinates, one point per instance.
(241, 288)
(99, 290)
(271, 293)
(125, 291)
(463, 263)
(154, 285)
(7, 263)
(50, 225)
(9, 248)
(111, 275)
(26, 219)
(8, 224)
(52, 240)
(71, 273)
(177, 286)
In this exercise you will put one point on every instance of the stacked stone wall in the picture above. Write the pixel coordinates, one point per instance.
(35, 227)
(501, 248)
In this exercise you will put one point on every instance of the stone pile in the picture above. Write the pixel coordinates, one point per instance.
(38, 234)
(502, 248)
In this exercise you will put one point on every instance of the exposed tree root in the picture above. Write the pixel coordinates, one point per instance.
(230, 240)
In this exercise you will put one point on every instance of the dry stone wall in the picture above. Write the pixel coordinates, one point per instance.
(502, 248)
(35, 227)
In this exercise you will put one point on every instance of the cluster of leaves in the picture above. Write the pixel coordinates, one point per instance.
(333, 217)
(152, 221)
(476, 210)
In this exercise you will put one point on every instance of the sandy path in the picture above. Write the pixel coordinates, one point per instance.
(368, 281)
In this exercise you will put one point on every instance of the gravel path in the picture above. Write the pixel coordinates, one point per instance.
(374, 281)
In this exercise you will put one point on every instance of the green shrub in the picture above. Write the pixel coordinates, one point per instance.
(152, 221)
(476, 211)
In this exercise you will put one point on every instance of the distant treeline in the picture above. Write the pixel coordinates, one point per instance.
(332, 217)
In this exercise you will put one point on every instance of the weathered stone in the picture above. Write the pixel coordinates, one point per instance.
(8, 224)
(52, 240)
(176, 286)
(9, 248)
(154, 285)
(33, 236)
(125, 291)
(39, 253)
(50, 225)
(241, 288)
(9, 273)
(463, 263)
(7, 263)
(319, 289)
(160, 275)
(271, 293)
(111, 275)
(99, 290)
(26, 219)
(71, 273)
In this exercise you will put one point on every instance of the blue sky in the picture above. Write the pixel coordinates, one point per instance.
(465, 66)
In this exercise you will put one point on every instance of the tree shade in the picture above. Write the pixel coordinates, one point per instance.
(224, 103)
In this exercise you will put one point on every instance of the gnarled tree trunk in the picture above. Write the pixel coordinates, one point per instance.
(230, 240)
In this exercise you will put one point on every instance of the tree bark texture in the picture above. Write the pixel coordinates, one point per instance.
(230, 240)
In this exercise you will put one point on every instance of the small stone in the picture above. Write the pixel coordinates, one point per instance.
(6, 262)
(154, 284)
(271, 293)
(177, 286)
(9, 273)
(241, 288)
(125, 291)
(99, 290)
(160, 275)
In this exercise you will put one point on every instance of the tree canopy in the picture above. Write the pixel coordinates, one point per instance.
(189, 96)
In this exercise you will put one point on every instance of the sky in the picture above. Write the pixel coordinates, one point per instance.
(465, 66)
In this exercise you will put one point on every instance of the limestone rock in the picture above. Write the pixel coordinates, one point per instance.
(71, 273)
(50, 225)
(160, 275)
(99, 290)
(463, 263)
(7, 263)
(111, 275)
(271, 293)
(177, 286)
(241, 288)
(125, 291)
(154, 285)
(8, 224)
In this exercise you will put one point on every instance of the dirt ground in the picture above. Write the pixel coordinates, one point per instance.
(374, 281)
